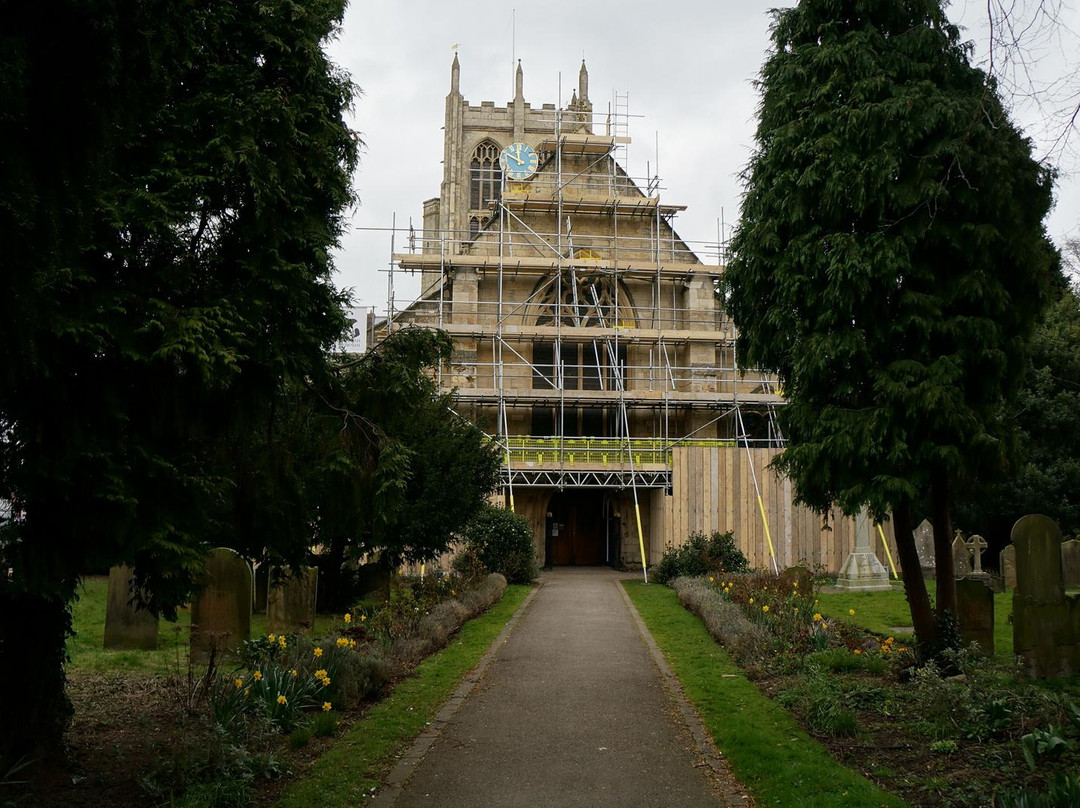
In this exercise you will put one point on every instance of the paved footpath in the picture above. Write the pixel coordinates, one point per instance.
(569, 708)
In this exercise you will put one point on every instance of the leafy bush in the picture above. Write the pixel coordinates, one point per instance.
(701, 555)
(501, 541)
(724, 620)
(1062, 791)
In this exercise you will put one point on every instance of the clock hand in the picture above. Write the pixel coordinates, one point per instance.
(512, 156)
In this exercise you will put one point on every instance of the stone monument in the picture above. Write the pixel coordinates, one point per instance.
(862, 571)
(1070, 563)
(975, 608)
(1046, 621)
(961, 556)
(1007, 563)
(924, 546)
(221, 612)
(127, 626)
(290, 602)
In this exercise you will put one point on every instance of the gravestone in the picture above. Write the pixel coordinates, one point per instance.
(862, 571)
(126, 626)
(290, 602)
(924, 545)
(262, 584)
(798, 575)
(976, 544)
(975, 611)
(1007, 563)
(373, 581)
(1070, 563)
(1046, 622)
(961, 555)
(221, 612)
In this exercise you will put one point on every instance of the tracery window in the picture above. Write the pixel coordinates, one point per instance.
(591, 301)
(485, 176)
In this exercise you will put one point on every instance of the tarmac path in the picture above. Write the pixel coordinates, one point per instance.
(572, 706)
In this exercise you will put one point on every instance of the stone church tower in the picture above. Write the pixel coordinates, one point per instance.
(590, 343)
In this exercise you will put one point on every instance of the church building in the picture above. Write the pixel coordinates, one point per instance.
(592, 346)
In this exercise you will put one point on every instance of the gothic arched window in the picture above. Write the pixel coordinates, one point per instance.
(485, 176)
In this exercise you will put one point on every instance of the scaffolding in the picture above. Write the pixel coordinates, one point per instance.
(589, 338)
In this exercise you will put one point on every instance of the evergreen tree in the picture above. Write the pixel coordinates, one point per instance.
(889, 263)
(172, 182)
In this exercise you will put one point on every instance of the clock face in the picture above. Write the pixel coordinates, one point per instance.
(519, 161)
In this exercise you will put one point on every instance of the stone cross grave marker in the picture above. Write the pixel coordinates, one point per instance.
(977, 544)
(221, 612)
(961, 555)
(127, 627)
(290, 603)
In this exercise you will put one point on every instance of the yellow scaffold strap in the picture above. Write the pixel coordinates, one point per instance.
(641, 542)
(888, 552)
(768, 533)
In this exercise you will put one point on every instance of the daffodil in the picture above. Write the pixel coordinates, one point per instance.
(851, 612)
(239, 683)
(326, 681)
(320, 674)
(294, 673)
(257, 676)
(751, 601)
(282, 700)
(317, 651)
(817, 617)
(272, 637)
(342, 642)
(348, 617)
(326, 706)
(764, 608)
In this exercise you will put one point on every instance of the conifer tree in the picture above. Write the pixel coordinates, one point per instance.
(889, 263)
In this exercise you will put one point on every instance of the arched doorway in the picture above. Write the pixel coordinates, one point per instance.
(579, 529)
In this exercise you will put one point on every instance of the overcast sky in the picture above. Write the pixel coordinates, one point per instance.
(686, 67)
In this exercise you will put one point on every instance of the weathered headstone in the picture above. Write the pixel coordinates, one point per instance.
(801, 576)
(373, 581)
(290, 603)
(1046, 623)
(961, 556)
(1070, 563)
(924, 545)
(862, 571)
(221, 612)
(1007, 563)
(975, 608)
(262, 584)
(126, 626)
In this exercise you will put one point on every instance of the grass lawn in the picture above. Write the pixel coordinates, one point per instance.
(882, 612)
(767, 750)
(88, 655)
(354, 766)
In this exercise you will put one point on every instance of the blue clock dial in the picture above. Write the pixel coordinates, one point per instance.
(519, 161)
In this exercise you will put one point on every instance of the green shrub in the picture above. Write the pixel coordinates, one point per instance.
(701, 555)
(501, 540)
(1062, 791)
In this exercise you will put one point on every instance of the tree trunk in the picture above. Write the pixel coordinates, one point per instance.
(34, 707)
(922, 616)
(940, 496)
